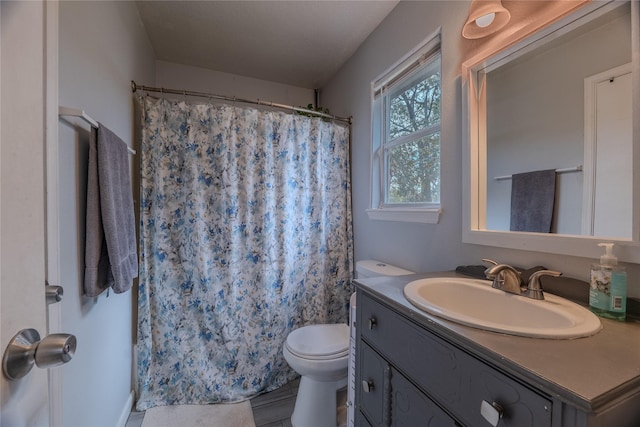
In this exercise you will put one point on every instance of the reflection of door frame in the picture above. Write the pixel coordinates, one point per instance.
(589, 167)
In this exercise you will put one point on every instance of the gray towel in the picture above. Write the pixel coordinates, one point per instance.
(109, 197)
(532, 199)
(97, 274)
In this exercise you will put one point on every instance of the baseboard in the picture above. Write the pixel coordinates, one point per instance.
(124, 416)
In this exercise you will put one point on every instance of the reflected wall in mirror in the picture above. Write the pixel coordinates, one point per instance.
(536, 120)
(560, 100)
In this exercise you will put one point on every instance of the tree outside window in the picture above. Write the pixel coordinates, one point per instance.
(413, 154)
(406, 133)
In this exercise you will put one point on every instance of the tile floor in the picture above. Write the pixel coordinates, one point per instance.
(271, 409)
(274, 409)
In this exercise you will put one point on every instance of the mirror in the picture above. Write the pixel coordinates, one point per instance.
(558, 101)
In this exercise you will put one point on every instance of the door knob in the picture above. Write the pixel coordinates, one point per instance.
(26, 349)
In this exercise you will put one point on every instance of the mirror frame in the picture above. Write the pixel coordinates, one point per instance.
(474, 148)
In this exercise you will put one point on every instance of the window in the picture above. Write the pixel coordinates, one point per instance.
(406, 138)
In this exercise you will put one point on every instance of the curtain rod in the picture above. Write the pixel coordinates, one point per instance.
(135, 87)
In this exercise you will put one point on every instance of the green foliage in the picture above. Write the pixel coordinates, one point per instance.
(414, 166)
(312, 108)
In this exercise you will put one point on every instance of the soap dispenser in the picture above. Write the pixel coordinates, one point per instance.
(608, 291)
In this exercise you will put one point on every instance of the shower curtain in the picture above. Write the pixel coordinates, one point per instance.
(245, 235)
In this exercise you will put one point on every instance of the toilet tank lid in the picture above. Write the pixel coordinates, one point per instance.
(372, 267)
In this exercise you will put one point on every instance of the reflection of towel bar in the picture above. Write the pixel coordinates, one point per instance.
(66, 111)
(565, 170)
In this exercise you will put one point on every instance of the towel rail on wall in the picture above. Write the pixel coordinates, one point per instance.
(74, 112)
(564, 170)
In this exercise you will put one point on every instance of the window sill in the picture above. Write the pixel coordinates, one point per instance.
(421, 215)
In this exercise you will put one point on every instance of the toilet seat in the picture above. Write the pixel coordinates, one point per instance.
(319, 342)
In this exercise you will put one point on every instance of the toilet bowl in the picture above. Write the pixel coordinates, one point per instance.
(320, 354)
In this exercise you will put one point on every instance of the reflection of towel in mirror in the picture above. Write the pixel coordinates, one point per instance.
(109, 198)
(532, 200)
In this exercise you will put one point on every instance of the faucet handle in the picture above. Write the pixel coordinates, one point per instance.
(486, 271)
(534, 288)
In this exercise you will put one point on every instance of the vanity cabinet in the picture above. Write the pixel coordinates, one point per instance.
(386, 391)
(408, 376)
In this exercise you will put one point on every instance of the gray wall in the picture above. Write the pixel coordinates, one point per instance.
(185, 77)
(423, 247)
(102, 46)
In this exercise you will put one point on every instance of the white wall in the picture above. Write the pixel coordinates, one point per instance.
(184, 77)
(423, 247)
(102, 46)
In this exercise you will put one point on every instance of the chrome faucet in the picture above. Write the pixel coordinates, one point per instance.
(534, 288)
(508, 279)
(505, 277)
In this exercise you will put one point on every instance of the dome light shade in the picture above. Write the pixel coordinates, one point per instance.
(485, 18)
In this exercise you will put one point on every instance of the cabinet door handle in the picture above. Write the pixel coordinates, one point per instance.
(372, 322)
(492, 412)
(367, 386)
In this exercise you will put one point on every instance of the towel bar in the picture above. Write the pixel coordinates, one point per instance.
(565, 170)
(74, 112)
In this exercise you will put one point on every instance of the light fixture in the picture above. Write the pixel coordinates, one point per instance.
(485, 18)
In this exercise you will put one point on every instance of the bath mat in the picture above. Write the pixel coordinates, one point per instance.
(219, 415)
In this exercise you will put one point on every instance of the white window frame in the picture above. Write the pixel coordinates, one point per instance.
(400, 71)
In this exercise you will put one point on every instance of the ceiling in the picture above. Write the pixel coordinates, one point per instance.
(300, 43)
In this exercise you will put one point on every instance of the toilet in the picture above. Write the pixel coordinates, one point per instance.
(321, 355)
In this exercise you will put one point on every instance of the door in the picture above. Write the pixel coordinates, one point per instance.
(608, 155)
(24, 402)
(614, 156)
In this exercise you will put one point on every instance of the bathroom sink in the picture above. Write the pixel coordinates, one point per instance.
(475, 303)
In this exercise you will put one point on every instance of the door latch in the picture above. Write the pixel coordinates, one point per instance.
(53, 294)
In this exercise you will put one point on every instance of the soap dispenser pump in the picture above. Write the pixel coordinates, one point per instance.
(608, 291)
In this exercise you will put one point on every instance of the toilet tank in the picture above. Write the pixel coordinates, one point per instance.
(373, 268)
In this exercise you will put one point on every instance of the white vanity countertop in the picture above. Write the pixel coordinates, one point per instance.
(585, 372)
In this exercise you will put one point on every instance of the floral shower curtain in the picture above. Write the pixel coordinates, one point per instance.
(245, 236)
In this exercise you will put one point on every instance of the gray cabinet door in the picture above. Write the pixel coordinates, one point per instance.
(372, 386)
(410, 407)
(451, 377)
